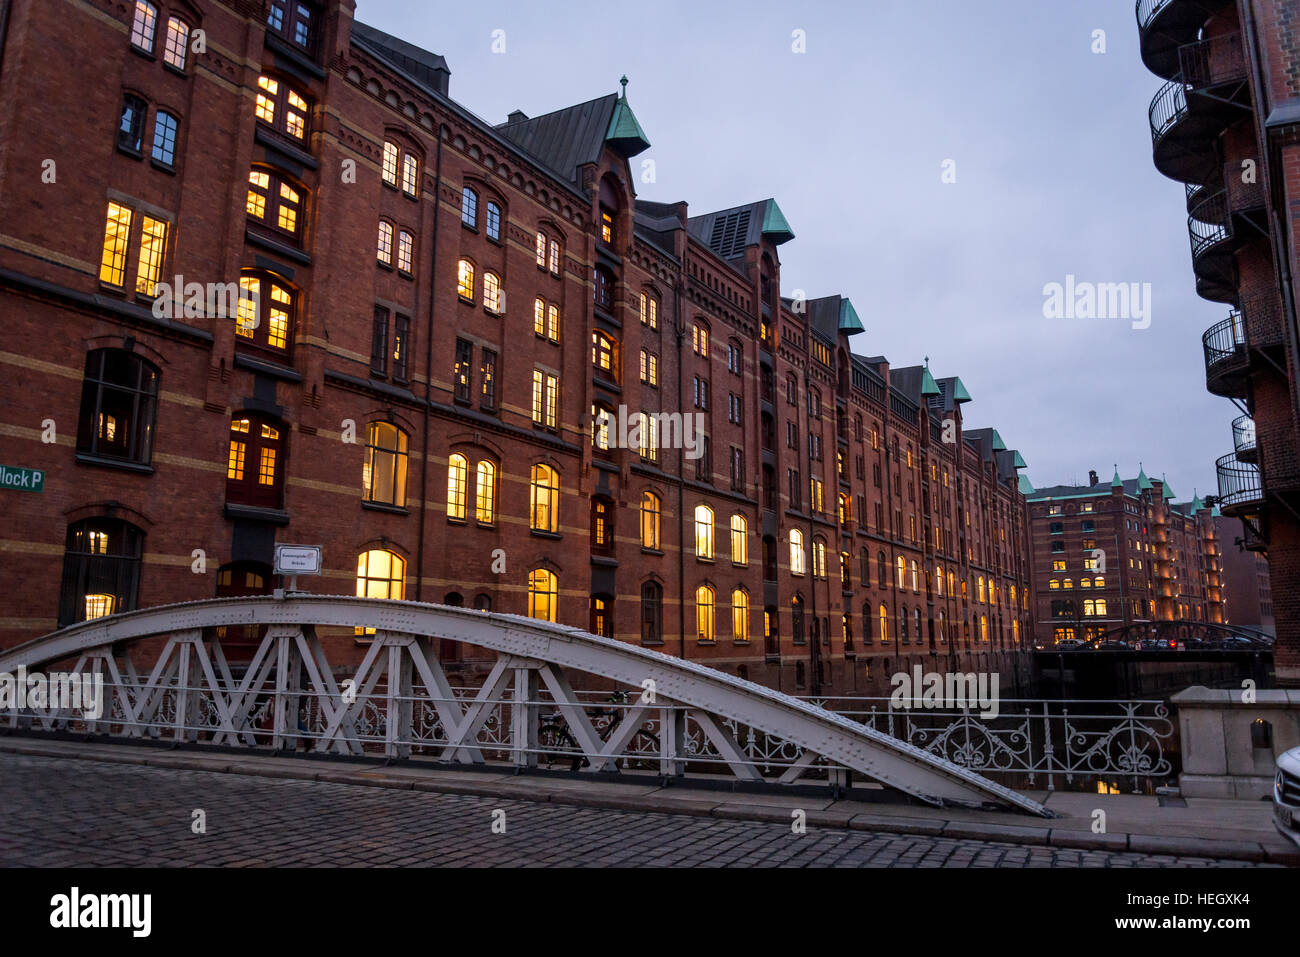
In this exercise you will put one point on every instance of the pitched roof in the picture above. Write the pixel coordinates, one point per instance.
(568, 139)
(430, 69)
(729, 232)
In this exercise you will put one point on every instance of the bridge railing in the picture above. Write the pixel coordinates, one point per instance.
(1029, 743)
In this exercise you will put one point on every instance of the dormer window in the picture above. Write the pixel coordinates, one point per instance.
(609, 207)
(606, 226)
(294, 21)
(282, 108)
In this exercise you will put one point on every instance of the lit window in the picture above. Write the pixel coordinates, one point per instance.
(703, 532)
(648, 440)
(606, 226)
(101, 569)
(381, 574)
(739, 540)
(117, 234)
(457, 485)
(410, 174)
(178, 38)
(253, 465)
(541, 250)
(143, 25)
(649, 368)
(544, 499)
(284, 109)
(273, 201)
(700, 340)
(385, 243)
(492, 295)
(485, 491)
(650, 513)
(797, 558)
(704, 613)
(383, 477)
(543, 594)
(153, 244)
(884, 623)
(265, 311)
(649, 311)
(465, 280)
(553, 323)
(294, 21)
(164, 138)
(390, 163)
(539, 318)
(405, 251)
(546, 390)
(118, 402)
(819, 559)
(740, 615)
(554, 247)
(604, 353)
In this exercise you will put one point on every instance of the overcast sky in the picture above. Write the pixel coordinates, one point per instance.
(1052, 156)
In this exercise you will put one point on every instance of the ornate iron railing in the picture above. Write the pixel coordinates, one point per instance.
(1240, 484)
(1243, 437)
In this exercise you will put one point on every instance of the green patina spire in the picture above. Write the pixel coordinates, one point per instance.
(1117, 482)
(928, 386)
(624, 131)
(775, 226)
(850, 324)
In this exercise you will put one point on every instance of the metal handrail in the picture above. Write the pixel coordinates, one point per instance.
(1209, 223)
(1168, 106)
(1225, 339)
(1148, 10)
(1243, 434)
(1212, 61)
(1239, 482)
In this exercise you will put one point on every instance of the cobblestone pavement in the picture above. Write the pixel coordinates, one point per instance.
(63, 812)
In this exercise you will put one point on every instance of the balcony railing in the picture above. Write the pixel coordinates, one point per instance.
(1243, 438)
(1226, 356)
(1240, 487)
(1209, 223)
(1214, 61)
(1164, 26)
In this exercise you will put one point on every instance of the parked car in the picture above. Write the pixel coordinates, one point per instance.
(1067, 644)
(1286, 795)
(1112, 644)
(1193, 644)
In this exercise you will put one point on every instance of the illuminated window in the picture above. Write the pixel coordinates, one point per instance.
(465, 280)
(648, 438)
(405, 250)
(703, 532)
(391, 156)
(543, 594)
(984, 629)
(649, 368)
(902, 572)
(383, 476)
(704, 613)
(541, 250)
(265, 311)
(385, 243)
(1099, 582)
(604, 353)
(285, 110)
(485, 490)
(602, 418)
(1068, 583)
(117, 236)
(606, 226)
(884, 623)
(118, 402)
(457, 486)
(254, 463)
(153, 245)
(381, 574)
(410, 174)
(493, 298)
(819, 558)
(740, 615)
(544, 499)
(143, 26)
(700, 340)
(554, 247)
(546, 391)
(739, 540)
(981, 588)
(916, 584)
(101, 569)
(273, 201)
(1054, 584)
(602, 525)
(649, 311)
(178, 38)
(797, 557)
(650, 515)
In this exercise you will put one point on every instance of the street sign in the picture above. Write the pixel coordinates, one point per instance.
(22, 479)
(297, 559)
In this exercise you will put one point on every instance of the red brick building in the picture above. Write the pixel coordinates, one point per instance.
(1107, 555)
(267, 282)
(1227, 124)
(1247, 591)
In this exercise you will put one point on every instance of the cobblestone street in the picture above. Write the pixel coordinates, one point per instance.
(66, 812)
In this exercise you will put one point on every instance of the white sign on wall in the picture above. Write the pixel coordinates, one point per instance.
(297, 559)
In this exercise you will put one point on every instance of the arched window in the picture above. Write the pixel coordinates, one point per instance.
(282, 108)
(938, 580)
(604, 354)
(602, 525)
(603, 289)
(739, 540)
(797, 562)
(493, 298)
(916, 622)
(819, 558)
(1067, 584)
(457, 486)
(255, 465)
(101, 569)
(469, 207)
(381, 574)
(609, 209)
(704, 613)
(884, 623)
(939, 628)
(652, 613)
(902, 625)
(740, 615)
(602, 419)
(266, 312)
(410, 175)
(984, 629)
(1100, 605)
(295, 21)
(951, 582)
(882, 570)
(465, 280)
(485, 493)
(1054, 584)
(543, 594)
(981, 588)
(796, 619)
(1099, 582)
(165, 126)
(902, 572)
(649, 311)
(385, 243)
(650, 513)
(275, 202)
(846, 509)
(493, 222)
(482, 602)
(118, 402)
(704, 532)
(544, 499)
(916, 584)
(602, 616)
(405, 251)
(383, 477)
(144, 25)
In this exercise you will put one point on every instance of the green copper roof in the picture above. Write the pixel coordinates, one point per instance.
(775, 225)
(1169, 492)
(624, 131)
(1144, 483)
(1019, 461)
(928, 385)
(959, 393)
(1197, 504)
(1215, 513)
(850, 324)
(1026, 488)
(998, 444)
(1117, 482)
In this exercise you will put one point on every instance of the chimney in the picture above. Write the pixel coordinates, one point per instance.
(1092, 478)
(516, 116)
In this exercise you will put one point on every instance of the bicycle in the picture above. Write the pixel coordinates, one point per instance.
(553, 735)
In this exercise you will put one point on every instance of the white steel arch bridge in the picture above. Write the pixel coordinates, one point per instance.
(677, 716)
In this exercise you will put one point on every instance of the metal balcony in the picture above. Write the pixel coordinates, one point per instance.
(1164, 26)
(1192, 109)
(1214, 242)
(1243, 439)
(1240, 490)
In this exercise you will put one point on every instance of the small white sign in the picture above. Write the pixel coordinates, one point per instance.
(297, 559)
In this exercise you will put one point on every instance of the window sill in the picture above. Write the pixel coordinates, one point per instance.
(267, 367)
(605, 561)
(147, 54)
(651, 551)
(104, 461)
(275, 245)
(127, 151)
(404, 273)
(257, 513)
(469, 226)
(384, 507)
(705, 642)
(383, 265)
(273, 139)
(162, 167)
(542, 533)
(465, 299)
(295, 56)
